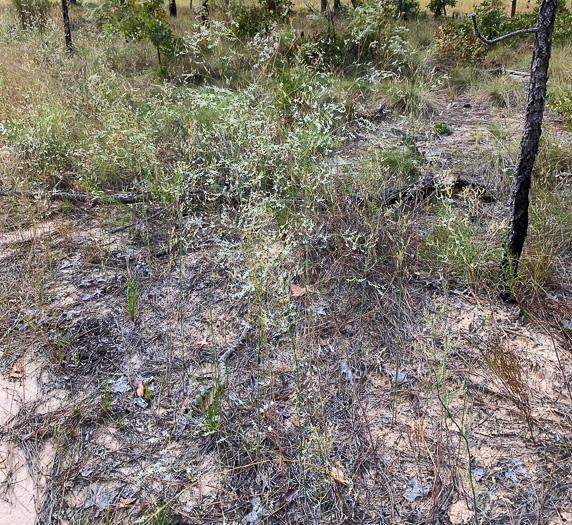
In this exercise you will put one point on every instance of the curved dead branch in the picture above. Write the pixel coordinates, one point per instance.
(500, 38)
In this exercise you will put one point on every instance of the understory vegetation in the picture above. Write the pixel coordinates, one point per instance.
(250, 266)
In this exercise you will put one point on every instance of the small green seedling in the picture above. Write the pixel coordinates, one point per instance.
(105, 394)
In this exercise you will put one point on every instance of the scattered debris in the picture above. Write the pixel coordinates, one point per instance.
(17, 371)
(346, 372)
(415, 491)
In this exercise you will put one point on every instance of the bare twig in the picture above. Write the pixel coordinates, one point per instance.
(500, 38)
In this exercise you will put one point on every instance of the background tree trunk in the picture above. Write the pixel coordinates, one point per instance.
(518, 226)
(172, 8)
(323, 6)
(513, 8)
(205, 11)
(337, 5)
(67, 31)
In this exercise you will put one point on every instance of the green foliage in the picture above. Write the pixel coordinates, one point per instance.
(249, 19)
(143, 20)
(324, 52)
(458, 37)
(42, 144)
(452, 241)
(379, 39)
(561, 104)
(442, 129)
(563, 23)
(411, 95)
(438, 7)
(410, 9)
(32, 13)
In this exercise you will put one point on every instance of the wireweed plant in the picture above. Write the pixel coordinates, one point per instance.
(283, 173)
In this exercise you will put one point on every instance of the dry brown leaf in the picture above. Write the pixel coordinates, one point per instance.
(201, 343)
(17, 371)
(322, 342)
(126, 502)
(297, 291)
(208, 399)
(337, 472)
(140, 389)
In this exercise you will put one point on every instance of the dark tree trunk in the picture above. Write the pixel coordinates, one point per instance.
(518, 225)
(191, 5)
(323, 6)
(513, 8)
(172, 8)
(399, 8)
(67, 31)
(337, 5)
(205, 11)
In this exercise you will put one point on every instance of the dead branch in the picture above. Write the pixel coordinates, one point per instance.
(123, 198)
(424, 189)
(500, 38)
(510, 72)
(228, 353)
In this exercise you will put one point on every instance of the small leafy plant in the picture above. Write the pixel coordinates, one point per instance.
(442, 129)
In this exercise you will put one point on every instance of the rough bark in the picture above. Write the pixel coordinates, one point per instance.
(67, 31)
(172, 8)
(518, 225)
